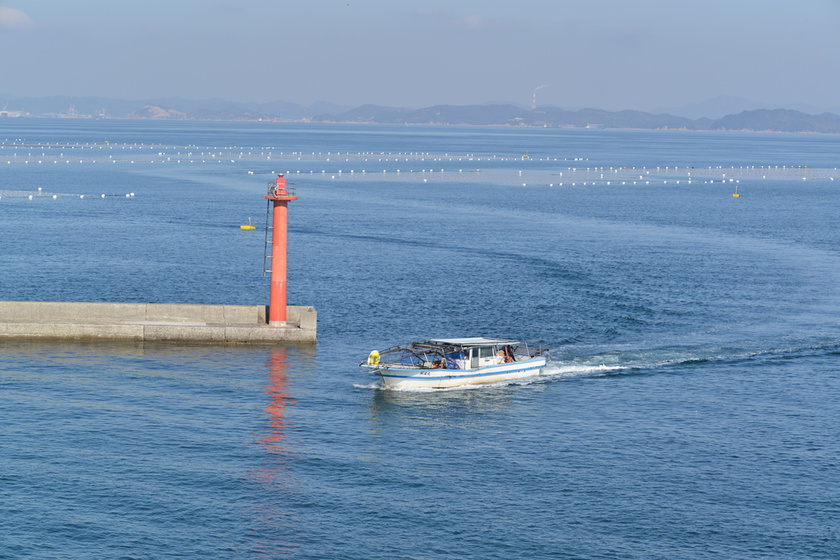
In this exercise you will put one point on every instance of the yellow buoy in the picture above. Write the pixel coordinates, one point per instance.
(248, 225)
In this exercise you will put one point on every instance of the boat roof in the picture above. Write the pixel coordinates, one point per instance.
(472, 341)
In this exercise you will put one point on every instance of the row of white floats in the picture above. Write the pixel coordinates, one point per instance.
(40, 194)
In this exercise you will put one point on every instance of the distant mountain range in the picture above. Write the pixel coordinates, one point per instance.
(756, 119)
(759, 120)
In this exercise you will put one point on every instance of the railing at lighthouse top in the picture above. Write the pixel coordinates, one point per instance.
(274, 191)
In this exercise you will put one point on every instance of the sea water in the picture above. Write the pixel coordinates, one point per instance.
(689, 411)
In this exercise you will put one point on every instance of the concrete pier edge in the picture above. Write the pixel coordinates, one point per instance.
(154, 322)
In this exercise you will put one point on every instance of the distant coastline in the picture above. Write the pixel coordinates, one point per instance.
(759, 120)
(756, 120)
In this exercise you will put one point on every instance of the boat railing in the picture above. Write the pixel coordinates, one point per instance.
(530, 351)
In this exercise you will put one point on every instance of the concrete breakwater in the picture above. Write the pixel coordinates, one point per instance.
(154, 322)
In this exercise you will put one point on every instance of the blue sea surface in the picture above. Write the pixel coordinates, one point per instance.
(689, 411)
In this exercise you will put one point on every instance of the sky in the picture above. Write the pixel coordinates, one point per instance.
(606, 54)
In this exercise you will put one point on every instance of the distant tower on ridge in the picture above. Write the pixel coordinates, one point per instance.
(534, 99)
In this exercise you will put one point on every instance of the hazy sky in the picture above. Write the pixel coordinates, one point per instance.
(610, 54)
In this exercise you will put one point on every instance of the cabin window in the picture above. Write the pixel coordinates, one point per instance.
(486, 352)
(482, 356)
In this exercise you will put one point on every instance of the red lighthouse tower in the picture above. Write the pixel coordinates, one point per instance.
(279, 197)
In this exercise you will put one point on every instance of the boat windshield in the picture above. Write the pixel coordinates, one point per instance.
(418, 357)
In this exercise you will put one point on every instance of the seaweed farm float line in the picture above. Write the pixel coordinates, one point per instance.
(533, 169)
(191, 153)
(41, 194)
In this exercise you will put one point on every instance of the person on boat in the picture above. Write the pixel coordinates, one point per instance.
(505, 355)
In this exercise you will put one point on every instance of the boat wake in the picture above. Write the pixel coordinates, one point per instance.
(639, 360)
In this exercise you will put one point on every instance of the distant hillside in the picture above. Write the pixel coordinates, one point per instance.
(761, 120)
(779, 120)
(170, 107)
(155, 112)
(723, 105)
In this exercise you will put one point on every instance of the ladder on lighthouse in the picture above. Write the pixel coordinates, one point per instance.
(269, 224)
(269, 232)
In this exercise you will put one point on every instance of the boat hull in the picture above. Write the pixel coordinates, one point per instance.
(414, 378)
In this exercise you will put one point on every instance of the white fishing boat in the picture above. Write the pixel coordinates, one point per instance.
(451, 362)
